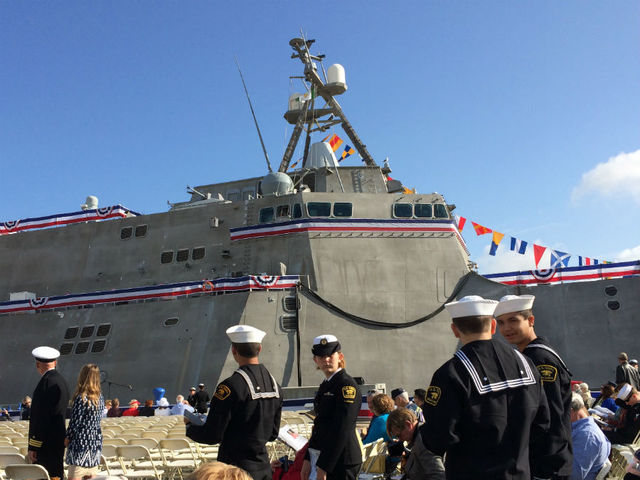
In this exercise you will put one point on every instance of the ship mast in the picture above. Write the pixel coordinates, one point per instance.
(337, 116)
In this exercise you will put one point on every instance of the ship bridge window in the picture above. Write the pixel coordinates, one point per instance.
(197, 253)
(422, 210)
(233, 195)
(342, 209)
(126, 233)
(282, 211)
(182, 255)
(297, 211)
(402, 210)
(266, 215)
(141, 230)
(319, 209)
(166, 257)
(440, 211)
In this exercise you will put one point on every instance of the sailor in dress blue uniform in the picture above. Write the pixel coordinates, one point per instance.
(333, 447)
(483, 406)
(49, 405)
(245, 410)
(552, 455)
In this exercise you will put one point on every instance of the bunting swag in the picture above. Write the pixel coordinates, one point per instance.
(165, 291)
(60, 219)
(568, 274)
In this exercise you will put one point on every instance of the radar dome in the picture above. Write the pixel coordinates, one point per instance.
(336, 80)
(276, 183)
(91, 203)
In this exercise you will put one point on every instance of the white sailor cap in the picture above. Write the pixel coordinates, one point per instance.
(45, 354)
(245, 334)
(514, 303)
(325, 345)
(471, 306)
(624, 393)
(163, 402)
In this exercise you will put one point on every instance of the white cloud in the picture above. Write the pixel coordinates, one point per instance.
(619, 176)
(628, 254)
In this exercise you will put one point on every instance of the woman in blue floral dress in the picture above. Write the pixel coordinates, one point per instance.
(84, 435)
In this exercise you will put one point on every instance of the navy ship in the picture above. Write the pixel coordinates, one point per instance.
(304, 250)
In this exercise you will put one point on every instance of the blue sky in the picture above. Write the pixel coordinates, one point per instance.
(523, 114)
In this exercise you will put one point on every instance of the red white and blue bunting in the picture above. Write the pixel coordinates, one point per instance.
(568, 274)
(60, 219)
(353, 226)
(166, 291)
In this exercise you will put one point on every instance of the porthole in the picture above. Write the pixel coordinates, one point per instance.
(82, 347)
(611, 290)
(66, 348)
(170, 322)
(87, 331)
(98, 346)
(182, 255)
(289, 323)
(166, 257)
(126, 233)
(198, 253)
(103, 330)
(71, 332)
(141, 230)
(290, 304)
(613, 305)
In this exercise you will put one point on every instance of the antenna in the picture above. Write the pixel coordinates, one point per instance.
(266, 156)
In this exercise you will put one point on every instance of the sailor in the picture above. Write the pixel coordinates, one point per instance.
(192, 397)
(552, 456)
(245, 410)
(48, 409)
(483, 406)
(202, 399)
(334, 451)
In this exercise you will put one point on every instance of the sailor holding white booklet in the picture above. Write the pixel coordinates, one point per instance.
(334, 451)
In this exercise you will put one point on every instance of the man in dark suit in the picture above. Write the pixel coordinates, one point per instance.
(48, 409)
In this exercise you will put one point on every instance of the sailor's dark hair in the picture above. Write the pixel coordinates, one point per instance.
(248, 350)
(473, 324)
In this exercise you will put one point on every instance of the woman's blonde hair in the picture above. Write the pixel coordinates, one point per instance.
(218, 471)
(89, 384)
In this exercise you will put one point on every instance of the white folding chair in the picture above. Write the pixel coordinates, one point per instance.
(602, 474)
(26, 472)
(9, 449)
(130, 456)
(11, 459)
(177, 457)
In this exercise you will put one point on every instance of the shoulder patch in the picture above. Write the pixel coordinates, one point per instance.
(222, 392)
(549, 373)
(349, 393)
(433, 396)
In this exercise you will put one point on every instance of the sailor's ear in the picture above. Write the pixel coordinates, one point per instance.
(493, 325)
(259, 348)
(532, 320)
(455, 330)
